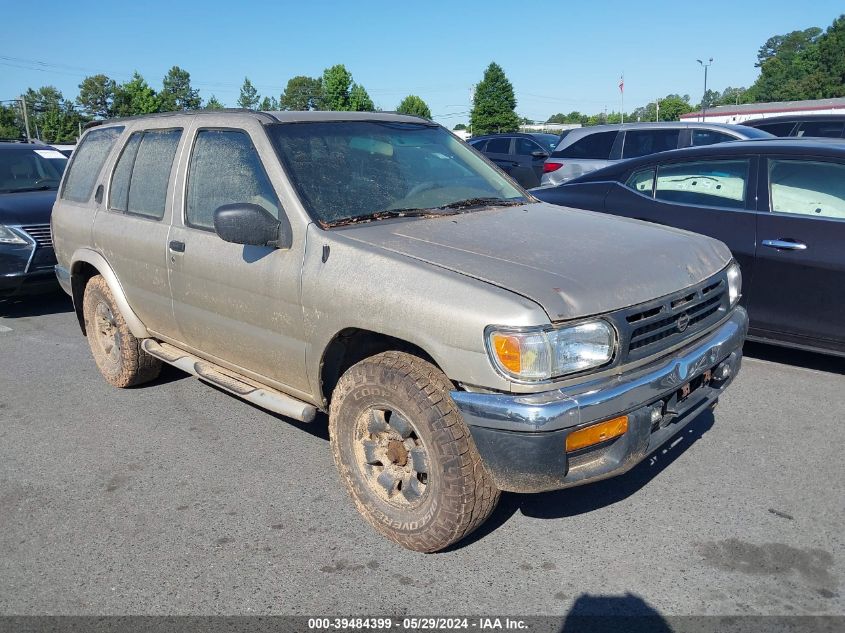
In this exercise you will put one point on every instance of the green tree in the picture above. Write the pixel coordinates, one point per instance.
(359, 100)
(176, 92)
(494, 104)
(96, 96)
(572, 117)
(213, 103)
(269, 104)
(415, 106)
(673, 106)
(52, 118)
(786, 62)
(302, 93)
(337, 82)
(135, 97)
(830, 59)
(460, 126)
(248, 98)
(10, 122)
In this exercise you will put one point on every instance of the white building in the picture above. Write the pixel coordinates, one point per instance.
(748, 111)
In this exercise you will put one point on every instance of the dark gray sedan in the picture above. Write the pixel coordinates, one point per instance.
(778, 204)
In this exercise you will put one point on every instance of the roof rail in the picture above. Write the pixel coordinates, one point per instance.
(162, 115)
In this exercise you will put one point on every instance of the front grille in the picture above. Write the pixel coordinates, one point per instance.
(674, 318)
(40, 233)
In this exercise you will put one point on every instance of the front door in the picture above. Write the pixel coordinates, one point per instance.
(800, 267)
(234, 304)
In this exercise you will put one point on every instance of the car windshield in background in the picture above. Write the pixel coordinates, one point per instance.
(351, 171)
(30, 169)
(548, 141)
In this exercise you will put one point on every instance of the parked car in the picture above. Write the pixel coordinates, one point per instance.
(778, 204)
(463, 337)
(585, 149)
(29, 178)
(520, 155)
(803, 125)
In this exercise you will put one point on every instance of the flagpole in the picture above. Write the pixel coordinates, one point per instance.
(622, 99)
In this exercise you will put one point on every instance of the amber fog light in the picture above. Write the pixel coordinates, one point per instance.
(596, 434)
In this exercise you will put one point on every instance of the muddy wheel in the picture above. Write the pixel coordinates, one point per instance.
(405, 455)
(116, 352)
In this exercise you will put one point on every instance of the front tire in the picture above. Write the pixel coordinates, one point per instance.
(116, 351)
(405, 455)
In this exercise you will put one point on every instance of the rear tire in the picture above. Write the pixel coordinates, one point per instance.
(405, 454)
(116, 351)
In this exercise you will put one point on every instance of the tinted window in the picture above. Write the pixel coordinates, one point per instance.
(778, 129)
(30, 169)
(479, 145)
(642, 181)
(119, 192)
(832, 129)
(549, 141)
(597, 145)
(709, 137)
(87, 161)
(498, 146)
(810, 188)
(225, 169)
(151, 172)
(716, 183)
(525, 146)
(643, 142)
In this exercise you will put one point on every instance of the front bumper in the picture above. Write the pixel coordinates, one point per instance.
(522, 438)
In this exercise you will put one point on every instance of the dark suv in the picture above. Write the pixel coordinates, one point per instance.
(521, 155)
(29, 178)
(803, 125)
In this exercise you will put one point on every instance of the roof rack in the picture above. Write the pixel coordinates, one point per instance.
(163, 115)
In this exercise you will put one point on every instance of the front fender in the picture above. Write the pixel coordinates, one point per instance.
(99, 262)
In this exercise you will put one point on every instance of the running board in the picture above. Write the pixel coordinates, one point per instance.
(264, 397)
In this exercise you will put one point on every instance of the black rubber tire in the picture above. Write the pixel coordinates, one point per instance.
(460, 494)
(130, 365)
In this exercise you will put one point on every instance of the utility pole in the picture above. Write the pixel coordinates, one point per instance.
(25, 119)
(704, 96)
(657, 109)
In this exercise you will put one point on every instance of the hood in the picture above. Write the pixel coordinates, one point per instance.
(27, 207)
(571, 262)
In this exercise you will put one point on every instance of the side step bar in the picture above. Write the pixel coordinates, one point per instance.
(264, 397)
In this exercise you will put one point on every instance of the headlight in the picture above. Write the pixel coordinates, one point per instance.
(734, 283)
(7, 236)
(543, 353)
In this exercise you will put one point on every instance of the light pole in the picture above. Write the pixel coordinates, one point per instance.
(704, 97)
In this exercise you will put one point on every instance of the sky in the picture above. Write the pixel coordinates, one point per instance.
(560, 56)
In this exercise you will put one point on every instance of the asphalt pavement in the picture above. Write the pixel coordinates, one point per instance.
(175, 498)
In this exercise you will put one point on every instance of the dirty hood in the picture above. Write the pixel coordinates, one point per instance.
(571, 262)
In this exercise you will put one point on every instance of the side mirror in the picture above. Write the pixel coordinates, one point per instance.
(539, 154)
(251, 224)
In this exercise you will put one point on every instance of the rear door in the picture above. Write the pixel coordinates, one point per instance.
(800, 268)
(499, 150)
(712, 196)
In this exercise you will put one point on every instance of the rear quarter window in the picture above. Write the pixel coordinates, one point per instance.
(596, 146)
(87, 162)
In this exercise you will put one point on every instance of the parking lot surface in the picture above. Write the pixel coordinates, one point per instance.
(175, 498)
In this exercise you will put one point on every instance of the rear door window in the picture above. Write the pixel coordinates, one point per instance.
(142, 173)
(829, 129)
(87, 162)
(709, 137)
(778, 129)
(644, 142)
(642, 181)
(498, 146)
(813, 188)
(712, 183)
(595, 146)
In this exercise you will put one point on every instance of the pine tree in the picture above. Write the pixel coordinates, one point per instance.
(248, 98)
(494, 105)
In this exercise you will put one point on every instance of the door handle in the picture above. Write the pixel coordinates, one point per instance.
(176, 246)
(785, 245)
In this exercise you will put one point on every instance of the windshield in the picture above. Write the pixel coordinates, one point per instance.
(343, 170)
(30, 169)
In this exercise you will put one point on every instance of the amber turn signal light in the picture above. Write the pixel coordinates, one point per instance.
(596, 434)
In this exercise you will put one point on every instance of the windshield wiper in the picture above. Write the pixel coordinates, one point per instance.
(470, 203)
(413, 212)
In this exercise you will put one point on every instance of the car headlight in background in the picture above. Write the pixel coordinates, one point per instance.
(734, 283)
(8, 236)
(534, 354)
